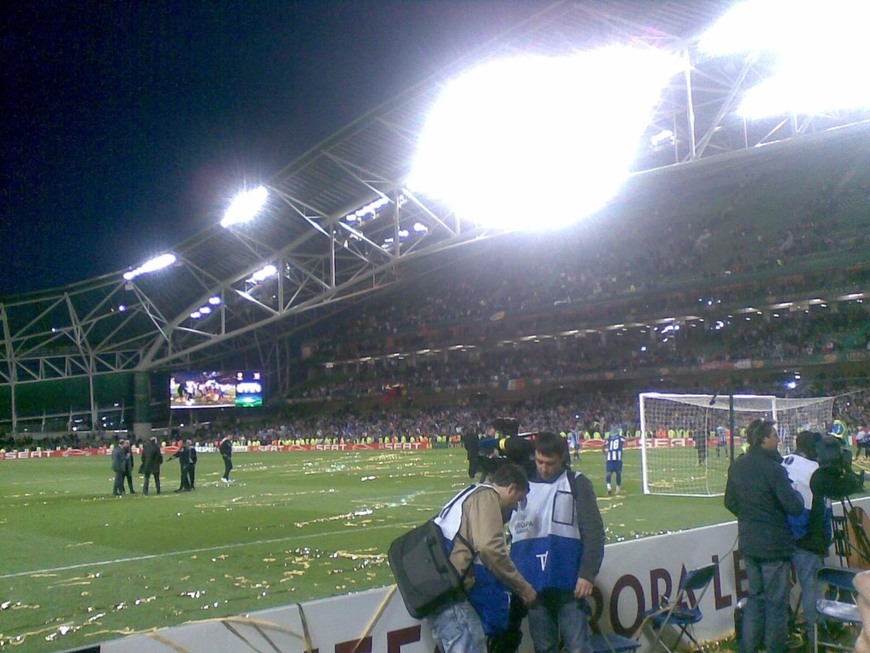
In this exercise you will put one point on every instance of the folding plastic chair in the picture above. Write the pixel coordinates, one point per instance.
(612, 643)
(609, 642)
(838, 607)
(681, 613)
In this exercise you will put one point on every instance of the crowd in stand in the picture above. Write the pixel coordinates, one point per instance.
(636, 253)
(776, 338)
(699, 253)
(582, 412)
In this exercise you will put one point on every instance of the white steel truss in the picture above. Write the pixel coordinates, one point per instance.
(341, 225)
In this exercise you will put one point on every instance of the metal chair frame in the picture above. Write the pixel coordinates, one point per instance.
(674, 613)
(839, 608)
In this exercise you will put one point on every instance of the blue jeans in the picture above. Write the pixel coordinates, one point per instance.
(806, 566)
(766, 616)
(457, 629)
(558, 611)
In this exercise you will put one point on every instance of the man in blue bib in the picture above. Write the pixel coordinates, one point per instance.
(558, 546)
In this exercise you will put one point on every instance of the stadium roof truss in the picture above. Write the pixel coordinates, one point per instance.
(339, 223)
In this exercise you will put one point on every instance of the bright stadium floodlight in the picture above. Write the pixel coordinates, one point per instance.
(263, 273)
(540, 142)
(819, 50)
(746, 27)
(152, 265)
(245, 206)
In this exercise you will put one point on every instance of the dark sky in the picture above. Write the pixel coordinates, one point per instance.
(126, 125)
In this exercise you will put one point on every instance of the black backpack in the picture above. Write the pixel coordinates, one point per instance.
(426, 578)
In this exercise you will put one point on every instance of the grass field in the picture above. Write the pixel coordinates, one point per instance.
(79, 566)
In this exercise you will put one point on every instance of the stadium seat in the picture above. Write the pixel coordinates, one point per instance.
(838, 608)
(683, 612)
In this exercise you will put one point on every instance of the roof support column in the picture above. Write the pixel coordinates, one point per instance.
(13, 371)
(690, 105)
(141, 406)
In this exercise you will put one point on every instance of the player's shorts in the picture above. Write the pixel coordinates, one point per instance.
(614, 465)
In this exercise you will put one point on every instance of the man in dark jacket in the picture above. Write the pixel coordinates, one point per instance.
(119, 466)
(226, 451)
(152, 458)
(183, 455)
(759, 492)
(812, 529)
(191, 465)
(129, 464)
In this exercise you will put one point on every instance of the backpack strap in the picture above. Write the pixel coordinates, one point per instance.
(463, 496)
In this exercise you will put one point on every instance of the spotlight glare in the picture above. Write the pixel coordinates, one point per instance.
(818, 51)
(245, 206)
(152, 265)
(540, 142)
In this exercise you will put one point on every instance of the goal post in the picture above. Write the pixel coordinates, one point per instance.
(686, 438)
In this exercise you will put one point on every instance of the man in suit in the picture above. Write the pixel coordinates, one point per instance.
(118, 466)
(183, 456)
(152, 458)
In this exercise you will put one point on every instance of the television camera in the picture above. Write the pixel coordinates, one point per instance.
(507, 445)
(834, 457)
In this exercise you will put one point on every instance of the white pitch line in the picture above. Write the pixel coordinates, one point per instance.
(150, 556)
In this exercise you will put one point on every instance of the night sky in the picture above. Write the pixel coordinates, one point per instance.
(127, 125)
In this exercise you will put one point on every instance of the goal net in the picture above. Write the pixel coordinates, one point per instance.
(686, 439)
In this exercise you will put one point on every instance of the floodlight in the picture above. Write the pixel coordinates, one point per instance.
(368, 211)
(245, 206)
(214, 301)
(818, 52)
(800, 92)
(664, 138)
(745, 27)
(152, 265)
(263, 274)
(539, 141)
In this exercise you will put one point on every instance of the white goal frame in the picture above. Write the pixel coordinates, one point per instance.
(675, 462)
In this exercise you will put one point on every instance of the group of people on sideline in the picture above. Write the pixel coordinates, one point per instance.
(784, 520)
(152, 460)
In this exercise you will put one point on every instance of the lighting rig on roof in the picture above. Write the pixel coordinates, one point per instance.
(535, 142)
(259, 277)
(266, 272)
(245, 206)
(152, 265)
(367, 213)
(206, 309)
(819, 52)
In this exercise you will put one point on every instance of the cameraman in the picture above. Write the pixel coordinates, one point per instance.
(818, 481)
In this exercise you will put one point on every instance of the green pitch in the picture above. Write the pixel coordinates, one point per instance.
(78, 566)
